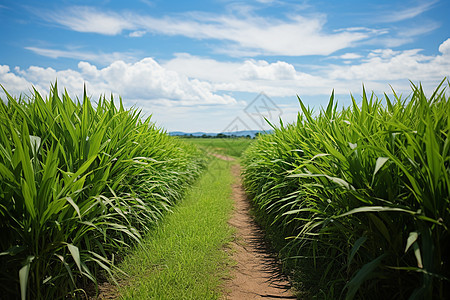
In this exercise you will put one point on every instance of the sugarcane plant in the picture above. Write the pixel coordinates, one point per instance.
(362, 194)
(79, 183)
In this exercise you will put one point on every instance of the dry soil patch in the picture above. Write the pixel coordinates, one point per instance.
(257, 272)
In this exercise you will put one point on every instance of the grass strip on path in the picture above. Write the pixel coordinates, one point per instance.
(184, 258)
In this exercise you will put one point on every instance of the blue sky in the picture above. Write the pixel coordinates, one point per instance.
(198, 66)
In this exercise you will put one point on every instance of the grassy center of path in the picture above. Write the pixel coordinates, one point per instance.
(184, 257)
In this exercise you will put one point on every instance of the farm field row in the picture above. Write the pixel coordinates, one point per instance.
(357, 199)
(80, 183)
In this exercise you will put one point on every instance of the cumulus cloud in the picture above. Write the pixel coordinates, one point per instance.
(244, 34)
(13, 83)
(192, 80)
(444, 48)
(203, 68)
(389, 65)
(376, 70)
(144, 80)
(254, 70)
(275, 79)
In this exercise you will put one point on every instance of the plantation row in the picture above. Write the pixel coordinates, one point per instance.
(362, 195)
(79, 183)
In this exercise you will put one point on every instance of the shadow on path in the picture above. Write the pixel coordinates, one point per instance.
(257, 274)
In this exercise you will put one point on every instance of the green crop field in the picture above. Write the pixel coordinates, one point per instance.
(80, 182)
(361, 195)
(356, 200)
(226, 146)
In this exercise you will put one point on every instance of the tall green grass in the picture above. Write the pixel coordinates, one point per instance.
(362, 195)
(184, 258)
(79, 183)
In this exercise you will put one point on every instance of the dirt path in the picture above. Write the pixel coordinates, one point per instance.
(223, 157)
(257, 273)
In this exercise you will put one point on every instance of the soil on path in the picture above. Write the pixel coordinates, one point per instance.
(257, 272)
(223, 157)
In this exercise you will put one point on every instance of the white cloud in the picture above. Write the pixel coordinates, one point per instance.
(404, 35)
(203, 68)
(193, 80)
(255, 70)
(139, 33)
(266, 1)
(350, 56)
(444, 48)
(103, 58)
(147, 79)
(389, 65)
(86, 19)
(275, 79)
(407, 13)
(376, 70)
(423, 28)
(144, 80)
(293, 36)
(13, 84)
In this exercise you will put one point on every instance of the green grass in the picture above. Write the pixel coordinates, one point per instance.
(226, 146)
(79, 183)
(184, 258)
(362, 196)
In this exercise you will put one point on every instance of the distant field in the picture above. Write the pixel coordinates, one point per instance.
(232, 147)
